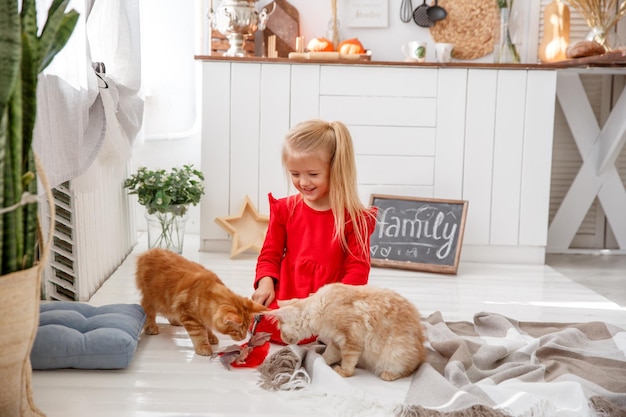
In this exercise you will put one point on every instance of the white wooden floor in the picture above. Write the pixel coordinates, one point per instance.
(167, 379)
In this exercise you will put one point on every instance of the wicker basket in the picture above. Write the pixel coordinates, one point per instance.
(470, 26)
(19, 319)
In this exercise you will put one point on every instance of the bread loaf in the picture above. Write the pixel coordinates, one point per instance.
(582, 49)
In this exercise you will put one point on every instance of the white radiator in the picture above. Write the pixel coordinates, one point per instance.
(85, 128)
(93, 234)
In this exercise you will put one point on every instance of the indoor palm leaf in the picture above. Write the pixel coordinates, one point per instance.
(24, 53)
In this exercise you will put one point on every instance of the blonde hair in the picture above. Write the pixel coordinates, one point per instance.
(333, 140)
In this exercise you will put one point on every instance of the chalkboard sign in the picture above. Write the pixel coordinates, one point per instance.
(423, 234)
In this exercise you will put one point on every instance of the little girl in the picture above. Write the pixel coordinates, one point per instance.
(320, 235)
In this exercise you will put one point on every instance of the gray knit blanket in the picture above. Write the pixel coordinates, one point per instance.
(497, 364)
(493, 366)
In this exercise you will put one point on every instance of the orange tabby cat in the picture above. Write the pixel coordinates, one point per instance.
(373, 328)
(188, 294)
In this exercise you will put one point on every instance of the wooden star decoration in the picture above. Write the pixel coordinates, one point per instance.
(247, 229)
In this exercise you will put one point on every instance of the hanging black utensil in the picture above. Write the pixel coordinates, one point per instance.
(436, 12)
(421, 17)
(406, 11)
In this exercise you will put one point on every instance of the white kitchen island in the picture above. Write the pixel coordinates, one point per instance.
(481, 133)
(599, 145)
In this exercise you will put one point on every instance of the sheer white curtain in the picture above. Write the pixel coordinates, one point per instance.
(76, 106)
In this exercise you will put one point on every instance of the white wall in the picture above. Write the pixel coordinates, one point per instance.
(173, 31)
(171, 35)
(384, 42)
(171, 132)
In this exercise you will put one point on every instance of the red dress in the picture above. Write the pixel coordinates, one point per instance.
(301, 254)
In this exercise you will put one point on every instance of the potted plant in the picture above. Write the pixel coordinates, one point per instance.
(166, 195)
(24, 53)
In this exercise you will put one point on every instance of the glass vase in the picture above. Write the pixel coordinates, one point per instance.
(505, 51)
(167, 229)
(333, 33)
(607, 37)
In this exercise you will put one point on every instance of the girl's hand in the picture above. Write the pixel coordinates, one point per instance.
(264, 293)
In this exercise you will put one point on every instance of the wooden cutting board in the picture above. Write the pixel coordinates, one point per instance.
(284, 22)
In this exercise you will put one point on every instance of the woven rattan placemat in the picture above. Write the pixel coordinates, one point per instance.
(470, 26)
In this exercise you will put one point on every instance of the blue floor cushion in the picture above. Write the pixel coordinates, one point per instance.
(78, 335)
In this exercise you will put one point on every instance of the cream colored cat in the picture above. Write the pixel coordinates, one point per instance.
(367, 327)
(188, 294)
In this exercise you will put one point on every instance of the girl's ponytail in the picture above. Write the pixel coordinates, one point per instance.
(344, 194)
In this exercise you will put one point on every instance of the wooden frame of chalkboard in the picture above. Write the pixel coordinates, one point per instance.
(422, 234)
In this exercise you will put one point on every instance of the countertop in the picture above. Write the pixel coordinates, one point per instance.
(455, 64)
(615, 59)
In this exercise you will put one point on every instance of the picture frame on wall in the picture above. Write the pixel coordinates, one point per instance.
(367, 13)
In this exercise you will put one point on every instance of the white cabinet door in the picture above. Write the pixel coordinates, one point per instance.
(482, 135)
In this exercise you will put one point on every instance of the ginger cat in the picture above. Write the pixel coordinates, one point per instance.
(367, 327)
(188, 294)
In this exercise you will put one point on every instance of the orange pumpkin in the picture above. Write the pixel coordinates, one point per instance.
(351, 46)
(320, 45)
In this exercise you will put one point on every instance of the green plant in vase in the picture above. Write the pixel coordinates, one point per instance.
(166, 195)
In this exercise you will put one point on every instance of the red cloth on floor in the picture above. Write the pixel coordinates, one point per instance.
(255, 358)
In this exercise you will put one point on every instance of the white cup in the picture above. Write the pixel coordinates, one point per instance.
(443, 51)
(415, 51)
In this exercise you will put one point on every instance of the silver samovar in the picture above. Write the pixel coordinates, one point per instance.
(234, 19)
